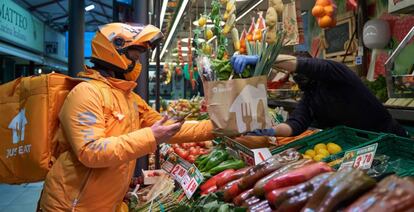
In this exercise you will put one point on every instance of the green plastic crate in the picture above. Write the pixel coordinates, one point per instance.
(397, 148)
(345, 137)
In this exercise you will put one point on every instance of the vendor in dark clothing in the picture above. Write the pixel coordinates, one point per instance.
(333, 95)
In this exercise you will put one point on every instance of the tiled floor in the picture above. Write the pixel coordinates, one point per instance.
(19, 198)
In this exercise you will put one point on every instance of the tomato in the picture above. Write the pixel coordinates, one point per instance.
(204, 151)
(175, 146)
(191, 158)
(182, 153)
(201, 144)
(194, 151)
(170, 150)
(208, 144)
(184, 145)
(192, 144)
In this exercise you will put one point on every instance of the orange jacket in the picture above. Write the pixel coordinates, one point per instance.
(104, 128)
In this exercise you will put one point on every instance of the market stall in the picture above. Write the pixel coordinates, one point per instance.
(336, 169)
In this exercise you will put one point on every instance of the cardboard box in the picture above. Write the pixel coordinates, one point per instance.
(252, 149)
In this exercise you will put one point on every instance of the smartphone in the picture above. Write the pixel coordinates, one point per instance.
(181, 118)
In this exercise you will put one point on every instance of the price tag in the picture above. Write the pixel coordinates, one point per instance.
(186, 174)
(358, 60)
(361, 158)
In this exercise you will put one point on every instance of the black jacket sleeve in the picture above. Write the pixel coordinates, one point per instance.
(301, 117)
(325, 70)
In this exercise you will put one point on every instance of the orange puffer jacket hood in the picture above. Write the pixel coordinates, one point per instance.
(104, 128)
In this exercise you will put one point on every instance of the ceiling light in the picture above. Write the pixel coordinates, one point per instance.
(208, 23)
(241, 0)
(162, 15)
(176, 54)
(39, 71)
(174, 26)
(89, 7)
(240, 17)
(185, 40)
(250, 9)
(185, 49)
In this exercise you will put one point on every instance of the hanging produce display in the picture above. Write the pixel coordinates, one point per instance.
(325, 13)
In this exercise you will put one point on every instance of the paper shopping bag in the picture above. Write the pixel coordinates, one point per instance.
(238, 106)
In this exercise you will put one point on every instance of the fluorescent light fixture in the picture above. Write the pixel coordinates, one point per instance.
(240, 0)
(185, 40)
(250, 9)
(211, 39)
(89, 7)
(185, 49)
(176, 54)
(174, 26)
(154, 63)
(240, 17)
(39, 71)
(162, 15)
(208, 23)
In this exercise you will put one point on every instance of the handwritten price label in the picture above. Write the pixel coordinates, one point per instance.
(361, 158)
(191, 188)
(178, 172)
(364, 161)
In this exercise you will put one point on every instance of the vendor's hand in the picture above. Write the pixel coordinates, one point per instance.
(164, 133)
(239, 62)
(262, 132)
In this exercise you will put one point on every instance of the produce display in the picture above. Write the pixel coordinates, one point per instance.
(190, 109)
(325, 12)
(322, 150)
(191, 151)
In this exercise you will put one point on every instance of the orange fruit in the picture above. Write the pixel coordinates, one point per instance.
(323, 2)
(318, 11)
(329, 10)
(325, 21)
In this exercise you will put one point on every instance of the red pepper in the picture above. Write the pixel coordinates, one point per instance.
(212, 181)
(234, 176)
(297, 176)
(241, 199)
(209, 190)
(232, 192)
(275, 194)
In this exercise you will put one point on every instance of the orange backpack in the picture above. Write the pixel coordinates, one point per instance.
(29, 109)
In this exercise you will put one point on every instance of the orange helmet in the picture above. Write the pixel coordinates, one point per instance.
(112, 40)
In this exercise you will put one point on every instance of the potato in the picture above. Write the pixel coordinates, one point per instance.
(278, 5)
(271, 35)
(271, 17)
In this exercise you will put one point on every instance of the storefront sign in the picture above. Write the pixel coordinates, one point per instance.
(18, 26)
(361, 158)
(54, 45)
(186, 174)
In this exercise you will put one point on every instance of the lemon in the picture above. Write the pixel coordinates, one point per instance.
(310, 152)
(319, 146)
(307, 157)
(334, 148)
(209, 34)
(323, 152)
(202, 21)
(318, 157)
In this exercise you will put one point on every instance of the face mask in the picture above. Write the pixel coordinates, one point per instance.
(134, 74)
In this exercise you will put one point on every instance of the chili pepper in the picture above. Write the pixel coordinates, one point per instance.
(236, 175)
(297, 176)
(209, 190)
(215, 159)
(206, 159)
(200, 158)
(212, 181)
(241, 199)
(228, 164)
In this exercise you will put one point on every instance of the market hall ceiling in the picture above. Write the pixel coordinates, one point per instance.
(55, 13)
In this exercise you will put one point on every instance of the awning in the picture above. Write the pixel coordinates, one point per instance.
(11, 50)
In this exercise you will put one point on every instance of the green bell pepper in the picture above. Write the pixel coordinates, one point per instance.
(215, 159)
(228, 164)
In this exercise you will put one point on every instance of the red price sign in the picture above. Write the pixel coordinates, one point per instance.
(178, 172)
(191, 188)
(364, 161)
